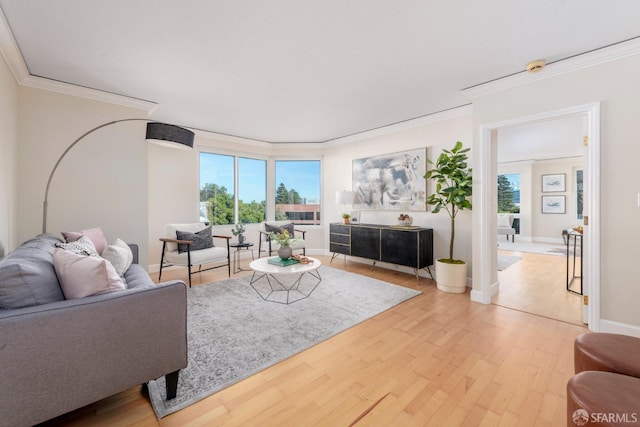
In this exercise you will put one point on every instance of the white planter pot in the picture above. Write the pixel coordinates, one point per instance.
(451, 277)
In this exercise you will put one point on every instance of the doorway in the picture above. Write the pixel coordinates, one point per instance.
(485, 215)
(532, 262)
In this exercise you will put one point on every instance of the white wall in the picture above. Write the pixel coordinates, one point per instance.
(534, 225)
(548, 227)
(435, 136)
(8, 158)
(102, 181)
(616, 85)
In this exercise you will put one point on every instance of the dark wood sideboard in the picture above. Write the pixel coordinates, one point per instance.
(408, 246)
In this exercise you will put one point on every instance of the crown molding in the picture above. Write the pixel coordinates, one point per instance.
(11, 54)
(407, 124)
(574, 63)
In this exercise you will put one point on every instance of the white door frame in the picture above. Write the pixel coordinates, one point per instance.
(485, 212)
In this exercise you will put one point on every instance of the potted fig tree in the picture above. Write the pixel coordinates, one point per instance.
(453, 181)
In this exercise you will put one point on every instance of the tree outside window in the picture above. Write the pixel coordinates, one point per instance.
(218, 177)
(297, 197)
(509, 193)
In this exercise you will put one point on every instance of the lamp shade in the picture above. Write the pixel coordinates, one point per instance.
(169, 135)
(344, 197)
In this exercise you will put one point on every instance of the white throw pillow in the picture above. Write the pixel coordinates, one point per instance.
(119, 255)
(504, 221)
(82, 276)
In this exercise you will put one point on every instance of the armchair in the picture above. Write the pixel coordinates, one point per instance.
(185, 251)
(268, 227)
(505, 226)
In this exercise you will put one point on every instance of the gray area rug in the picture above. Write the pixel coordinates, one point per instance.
(505, 262)
(233, 333)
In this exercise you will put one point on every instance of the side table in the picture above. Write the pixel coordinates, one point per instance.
(236, 255)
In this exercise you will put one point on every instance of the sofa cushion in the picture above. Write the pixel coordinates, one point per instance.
(27, 276)
(203, 239)
(82, 276)
(94, 234)
(119, 255)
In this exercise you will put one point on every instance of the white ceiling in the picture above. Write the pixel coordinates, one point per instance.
(549, 139)
(303, 70)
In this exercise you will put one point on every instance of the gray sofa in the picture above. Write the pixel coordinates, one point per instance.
(58, 355)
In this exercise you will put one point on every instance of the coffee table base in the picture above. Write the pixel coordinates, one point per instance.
(279, 292)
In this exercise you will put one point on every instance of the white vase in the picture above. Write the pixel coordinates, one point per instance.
(451, 277)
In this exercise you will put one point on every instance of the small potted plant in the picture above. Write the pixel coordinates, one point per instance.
(345, 218)
(238, 231)
(453, 179)
(284, 239)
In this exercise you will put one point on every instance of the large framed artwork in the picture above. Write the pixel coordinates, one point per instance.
(391, 181)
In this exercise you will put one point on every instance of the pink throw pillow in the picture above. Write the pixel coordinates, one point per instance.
(94, 234)
(82, 276)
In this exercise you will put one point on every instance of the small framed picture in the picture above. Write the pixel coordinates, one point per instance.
(553, 204)
(553, 183)
(355, 217)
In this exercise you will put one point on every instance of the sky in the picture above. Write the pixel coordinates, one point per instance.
(302, 176)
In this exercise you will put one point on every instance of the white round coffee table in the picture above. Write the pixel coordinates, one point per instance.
(287, 284)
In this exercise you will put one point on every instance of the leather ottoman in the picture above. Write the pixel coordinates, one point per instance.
(607, 352)
(596, 398)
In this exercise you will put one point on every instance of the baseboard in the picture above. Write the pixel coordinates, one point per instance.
(612, 327)
(555, 240)
(476, 295)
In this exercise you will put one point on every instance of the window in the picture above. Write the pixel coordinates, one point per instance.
(509, 193)
(218, 177)
(579, 192)
(252, 190)
(297, 195)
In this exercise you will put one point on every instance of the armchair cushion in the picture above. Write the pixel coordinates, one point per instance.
(203, 239)
(505, 220)
(279, 228)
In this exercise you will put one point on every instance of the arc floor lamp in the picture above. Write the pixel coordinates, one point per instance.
(159, 133)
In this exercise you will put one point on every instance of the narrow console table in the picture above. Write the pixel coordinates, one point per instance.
(408, 246)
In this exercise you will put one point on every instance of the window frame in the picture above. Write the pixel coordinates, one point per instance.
(270, 180)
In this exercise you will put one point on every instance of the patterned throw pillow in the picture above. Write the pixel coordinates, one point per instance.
(201, 240)
(82, 246)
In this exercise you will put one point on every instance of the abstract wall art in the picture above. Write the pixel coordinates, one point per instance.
(391, 181)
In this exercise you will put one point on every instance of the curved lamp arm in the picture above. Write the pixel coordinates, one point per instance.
(161, 131)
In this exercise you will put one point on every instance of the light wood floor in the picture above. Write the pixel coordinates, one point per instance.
(436, 360)
(537, 284)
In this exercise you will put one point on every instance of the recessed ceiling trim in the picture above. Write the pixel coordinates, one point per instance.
(12, 55)
(600, 56)
(407, 124)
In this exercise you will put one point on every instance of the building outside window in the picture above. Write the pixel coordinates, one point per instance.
(297, 195)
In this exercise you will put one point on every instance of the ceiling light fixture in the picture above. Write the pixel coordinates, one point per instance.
(535, 66)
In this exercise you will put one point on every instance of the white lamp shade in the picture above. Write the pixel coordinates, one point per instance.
(344, 197)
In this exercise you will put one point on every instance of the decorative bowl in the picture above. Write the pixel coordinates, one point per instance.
(405, 222)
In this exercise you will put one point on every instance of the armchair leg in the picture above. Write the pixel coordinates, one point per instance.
(189, 264)
(164, 245)
(171, 381)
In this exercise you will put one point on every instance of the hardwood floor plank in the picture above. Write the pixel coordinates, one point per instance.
(437, 359)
